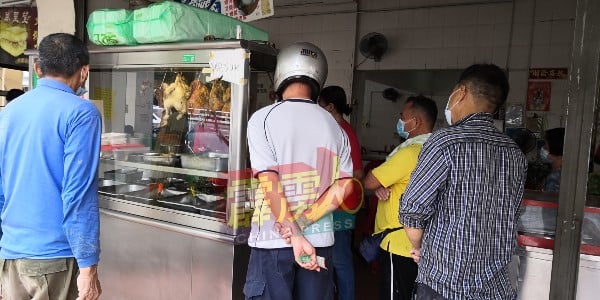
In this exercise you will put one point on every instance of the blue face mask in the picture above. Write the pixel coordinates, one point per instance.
(401, 130)
(545, 155)
(81, 91)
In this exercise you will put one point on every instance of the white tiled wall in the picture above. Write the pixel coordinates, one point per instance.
(449, 34)
(335, 34)
(440, 37)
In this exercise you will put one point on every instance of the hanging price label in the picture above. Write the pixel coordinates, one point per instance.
(228, 64)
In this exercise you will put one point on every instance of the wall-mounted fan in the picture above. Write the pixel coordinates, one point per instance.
(373, 45)
(391, 94)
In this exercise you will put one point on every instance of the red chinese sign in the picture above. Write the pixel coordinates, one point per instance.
(538, 95)
(548, 73)
(18, 32)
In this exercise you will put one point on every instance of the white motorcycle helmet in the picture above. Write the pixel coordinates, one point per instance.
(304, 62)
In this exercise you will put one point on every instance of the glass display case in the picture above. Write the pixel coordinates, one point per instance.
(174, 181)
(174, 143)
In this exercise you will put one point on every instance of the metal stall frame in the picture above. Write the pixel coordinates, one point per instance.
(582, 109)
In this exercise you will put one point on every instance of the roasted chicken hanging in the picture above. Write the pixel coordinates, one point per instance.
(199, 96)
(175, 97)
(216, 95)
(227, 99)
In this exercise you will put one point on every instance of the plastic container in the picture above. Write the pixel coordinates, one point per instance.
(204, 162)
(114, 138)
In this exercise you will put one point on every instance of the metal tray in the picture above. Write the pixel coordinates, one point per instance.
(108, 182)
(124, 175)
(150, 194)
(161, 159)
(117, 190)
(204, 162)
(212, 209)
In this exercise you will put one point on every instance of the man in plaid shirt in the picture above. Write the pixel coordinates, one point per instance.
(461, 207)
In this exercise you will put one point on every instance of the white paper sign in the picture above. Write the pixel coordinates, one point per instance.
(227, 64)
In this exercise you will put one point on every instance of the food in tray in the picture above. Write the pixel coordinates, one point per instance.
(175, 97)
(199, 96)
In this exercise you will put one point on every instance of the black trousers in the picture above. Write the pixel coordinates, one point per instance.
(424, 292)
(400, 270)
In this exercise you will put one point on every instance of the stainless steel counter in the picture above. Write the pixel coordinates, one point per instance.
(148, 259)
(535, 266)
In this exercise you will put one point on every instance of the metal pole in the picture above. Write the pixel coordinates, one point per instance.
(582, 106)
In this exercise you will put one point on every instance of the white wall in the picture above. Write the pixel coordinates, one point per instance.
(435, 34)
(334, 33)
(55, 16)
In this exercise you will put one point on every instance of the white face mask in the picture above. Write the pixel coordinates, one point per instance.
(447, 111)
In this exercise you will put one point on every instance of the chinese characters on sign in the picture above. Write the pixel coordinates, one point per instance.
(548, 73)
(539, 87)
(18, 32)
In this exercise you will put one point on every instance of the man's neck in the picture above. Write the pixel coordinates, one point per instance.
(418, 132)
(296, 91)
(71, 82)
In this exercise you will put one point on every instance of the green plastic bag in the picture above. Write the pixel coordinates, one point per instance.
(175, 22)
(108, 27)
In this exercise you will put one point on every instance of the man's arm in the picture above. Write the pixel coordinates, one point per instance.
(80, 186)
(370, 182)
(344, 192)
(81, 222)
(275, 198)
(415, 236)
(88, 283)
(419, 200)
(271, 187)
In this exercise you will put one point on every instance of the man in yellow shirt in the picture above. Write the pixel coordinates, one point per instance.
(389, 180)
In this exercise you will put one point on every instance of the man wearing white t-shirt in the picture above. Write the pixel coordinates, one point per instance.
(297, 151)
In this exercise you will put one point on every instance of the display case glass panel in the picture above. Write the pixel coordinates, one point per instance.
(174, 143)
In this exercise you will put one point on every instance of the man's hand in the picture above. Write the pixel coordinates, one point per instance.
(284, 231)
(88, 283)
(302, 246)
(382, 193)
(415, 254)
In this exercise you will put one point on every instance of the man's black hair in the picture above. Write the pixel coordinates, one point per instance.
(486, 81)
(426, 106)
(62, 54)
(336, 95)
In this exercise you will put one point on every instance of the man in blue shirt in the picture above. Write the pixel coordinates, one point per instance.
(49, 145)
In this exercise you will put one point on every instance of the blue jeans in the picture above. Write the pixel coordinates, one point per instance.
(343, 264)
(273, 274)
